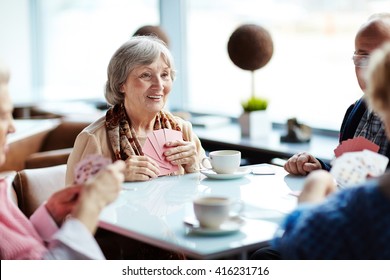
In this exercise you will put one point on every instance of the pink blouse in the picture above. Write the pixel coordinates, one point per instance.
(39, 238)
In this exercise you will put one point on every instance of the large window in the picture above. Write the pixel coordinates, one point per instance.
(310, 76)
(79, 38)
(59, 50)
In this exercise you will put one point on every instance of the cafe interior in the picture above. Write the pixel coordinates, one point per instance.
(293, 56)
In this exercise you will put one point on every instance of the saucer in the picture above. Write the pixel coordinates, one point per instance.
(241, 172)
(232, 225)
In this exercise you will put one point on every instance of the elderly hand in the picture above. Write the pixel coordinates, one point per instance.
(302, 164)
(318, 185)
(182, 153)
(61, 203)
(141, 168)
(98, 192)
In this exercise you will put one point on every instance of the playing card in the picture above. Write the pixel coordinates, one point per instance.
(89, 167)
(376, 163)
(151, 151)
(353, 168)
(154, 147)
(349, 169)
(172, 135)
(354, 145)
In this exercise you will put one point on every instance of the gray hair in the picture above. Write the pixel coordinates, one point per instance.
(137, 51)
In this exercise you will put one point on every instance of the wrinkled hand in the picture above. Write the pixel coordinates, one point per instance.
(182, 153)
(318, 185)
(97, 192)
(141, 168)
(302, 164)
(61, 203)
(105, 186)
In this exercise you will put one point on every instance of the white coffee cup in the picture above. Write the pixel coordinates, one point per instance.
(223, 161)
(213, 211)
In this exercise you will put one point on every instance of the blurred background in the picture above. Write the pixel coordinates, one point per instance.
(58, 51)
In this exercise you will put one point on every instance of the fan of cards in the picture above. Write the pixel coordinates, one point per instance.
(154, 147)
(352, 168)
(89, 167)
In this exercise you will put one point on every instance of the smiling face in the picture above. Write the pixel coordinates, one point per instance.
(146, 89)
(6, 119)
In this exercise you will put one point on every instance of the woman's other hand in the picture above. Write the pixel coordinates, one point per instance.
(141, 168)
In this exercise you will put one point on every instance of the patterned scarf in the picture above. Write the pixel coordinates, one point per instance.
(122, 135)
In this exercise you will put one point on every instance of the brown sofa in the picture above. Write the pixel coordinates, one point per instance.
(56, 146)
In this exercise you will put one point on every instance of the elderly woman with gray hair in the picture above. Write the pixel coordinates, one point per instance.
(139, 79)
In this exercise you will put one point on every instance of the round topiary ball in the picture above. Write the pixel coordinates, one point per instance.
(153, 30)
(250, 47)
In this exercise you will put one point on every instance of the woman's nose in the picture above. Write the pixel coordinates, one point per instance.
(158, 82)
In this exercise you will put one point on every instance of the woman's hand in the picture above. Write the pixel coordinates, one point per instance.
(182, 153)
(141, 168)
(318, 185)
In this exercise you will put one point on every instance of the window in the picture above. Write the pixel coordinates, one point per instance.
(79, 38)
(310, 76)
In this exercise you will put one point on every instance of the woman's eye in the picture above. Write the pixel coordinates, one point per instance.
(145, 76)
(165, 76)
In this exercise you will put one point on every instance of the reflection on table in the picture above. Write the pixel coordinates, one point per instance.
(154, 212)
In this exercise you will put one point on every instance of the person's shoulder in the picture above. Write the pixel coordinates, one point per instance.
(95, 126)
(179, 120)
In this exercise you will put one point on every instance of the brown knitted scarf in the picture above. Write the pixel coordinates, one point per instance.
(122, 136)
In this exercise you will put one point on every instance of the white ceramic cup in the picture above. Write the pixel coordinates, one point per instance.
(213, 211)
(223, 161)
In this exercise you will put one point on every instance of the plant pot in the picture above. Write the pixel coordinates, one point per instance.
(255, 124)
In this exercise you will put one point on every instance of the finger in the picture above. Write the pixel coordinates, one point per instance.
(175, 143)
(291, 165)
(309, 167)
(136, 177)
(69, 194)
(148, 172)
(301, 161)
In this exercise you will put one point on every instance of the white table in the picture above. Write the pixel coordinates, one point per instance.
(153, 212)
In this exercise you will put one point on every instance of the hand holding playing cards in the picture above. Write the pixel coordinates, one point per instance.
(318, 185)
(62, 203)
(183, 153)
(97, 192)
(302, 164)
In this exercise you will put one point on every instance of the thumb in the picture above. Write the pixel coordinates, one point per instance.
(309, 166)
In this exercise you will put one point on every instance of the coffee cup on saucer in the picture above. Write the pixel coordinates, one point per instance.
(222, 161)
(213, 211)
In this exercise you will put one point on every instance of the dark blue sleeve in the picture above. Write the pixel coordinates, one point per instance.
(352, 224)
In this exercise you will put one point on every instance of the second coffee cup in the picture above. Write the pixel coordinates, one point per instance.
(212, 211)
(223, 161)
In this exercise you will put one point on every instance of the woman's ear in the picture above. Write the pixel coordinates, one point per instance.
(122, 88)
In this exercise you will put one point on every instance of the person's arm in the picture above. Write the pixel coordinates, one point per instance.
(71, 241)
(74, 240)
